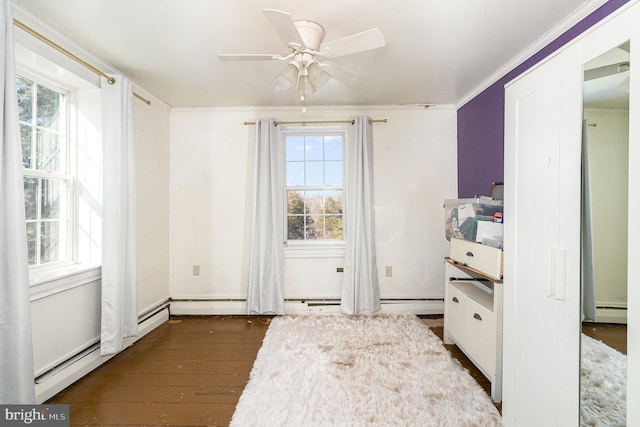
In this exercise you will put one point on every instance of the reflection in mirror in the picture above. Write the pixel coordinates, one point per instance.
(605, 147)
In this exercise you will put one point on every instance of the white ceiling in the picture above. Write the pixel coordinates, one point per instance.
(437, 51)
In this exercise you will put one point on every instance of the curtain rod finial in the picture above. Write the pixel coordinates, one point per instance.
(111, 80)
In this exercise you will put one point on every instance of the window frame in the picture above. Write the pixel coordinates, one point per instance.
(324, 130)
(66, 176)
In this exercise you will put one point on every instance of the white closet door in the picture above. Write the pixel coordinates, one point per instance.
(541, 251)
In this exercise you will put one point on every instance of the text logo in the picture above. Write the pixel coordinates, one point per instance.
(34, 415)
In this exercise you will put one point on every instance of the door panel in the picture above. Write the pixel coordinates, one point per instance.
(538, 261)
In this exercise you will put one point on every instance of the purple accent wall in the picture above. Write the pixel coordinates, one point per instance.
(481, 120)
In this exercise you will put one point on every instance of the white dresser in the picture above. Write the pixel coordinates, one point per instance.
(473, 307)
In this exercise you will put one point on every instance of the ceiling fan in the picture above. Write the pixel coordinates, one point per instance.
(304, 42)
(614, 69)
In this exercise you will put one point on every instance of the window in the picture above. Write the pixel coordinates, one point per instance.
(314, 186)
(45, 161)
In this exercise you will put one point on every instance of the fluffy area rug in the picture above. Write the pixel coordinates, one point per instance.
(603, 385)
(380, 370)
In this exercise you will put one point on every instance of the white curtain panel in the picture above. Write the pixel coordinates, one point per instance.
(266, 265)
(588, 263)
(360, 287)
(16, 348)
(119, 252)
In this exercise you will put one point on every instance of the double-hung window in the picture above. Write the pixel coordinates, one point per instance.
(314, 186)
(48, 185)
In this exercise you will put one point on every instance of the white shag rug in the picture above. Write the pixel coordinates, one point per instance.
(380, 370)
(603, 385)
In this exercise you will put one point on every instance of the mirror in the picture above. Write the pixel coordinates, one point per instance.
(605, 160)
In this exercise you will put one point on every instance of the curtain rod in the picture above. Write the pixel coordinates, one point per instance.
(319, 122)
(59, 48)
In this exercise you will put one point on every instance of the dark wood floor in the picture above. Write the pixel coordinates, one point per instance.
(188, 372)
(613, 335)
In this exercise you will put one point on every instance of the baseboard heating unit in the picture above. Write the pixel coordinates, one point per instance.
(66, 373)
(302, 306)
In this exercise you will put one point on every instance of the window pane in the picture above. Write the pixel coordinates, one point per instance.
(314, 173)
(50, 199)
(295, 148)
(25, 99)
(295, 174)
(31, 198)
(314, 150)
(315, 227)
(49, 241)
(314, 202)
(295, 227)
(295, 203)
(333, 173)
(333, 148)
(25, 139)
(32, 239)
(48, 108)
(333, 202)
(47, 150)
(333, 227)
(315, 167)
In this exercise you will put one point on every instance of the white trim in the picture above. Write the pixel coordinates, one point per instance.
(319, 109)
(238, 307)
(607, 315)
(47, 283)
(571, 20)
(577, 39)
(319, 251)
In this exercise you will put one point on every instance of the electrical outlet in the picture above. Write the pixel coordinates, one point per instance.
(340, 270)
(196, 270)
(388, 271)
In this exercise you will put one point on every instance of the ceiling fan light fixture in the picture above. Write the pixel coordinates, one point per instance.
(305, 86)
(317, 75)
(289, 76)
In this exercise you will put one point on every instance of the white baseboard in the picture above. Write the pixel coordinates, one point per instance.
(53, 382)
(208, 307)
(238, 307)
(611, 315)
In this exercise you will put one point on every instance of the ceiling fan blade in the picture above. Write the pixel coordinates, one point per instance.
(359, 42)
(626, 46)
(607, 70)
(250, 56)
(342, 74)
(284, 26)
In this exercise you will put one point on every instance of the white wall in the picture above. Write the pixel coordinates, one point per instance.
(152, 174)
(608, 163)
(210, 198)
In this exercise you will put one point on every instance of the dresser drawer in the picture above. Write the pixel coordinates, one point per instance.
(455, 313)
(481, 257)
(480, 336)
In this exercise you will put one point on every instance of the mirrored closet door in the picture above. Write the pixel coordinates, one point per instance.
(605, 190)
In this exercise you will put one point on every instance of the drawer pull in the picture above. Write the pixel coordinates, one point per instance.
(469, 253)
(477, 316)
(455, 299)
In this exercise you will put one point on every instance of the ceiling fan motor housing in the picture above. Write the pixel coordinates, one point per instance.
(311, 33)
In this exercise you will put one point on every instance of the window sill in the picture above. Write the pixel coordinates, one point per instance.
(44, 283)
(313, 251)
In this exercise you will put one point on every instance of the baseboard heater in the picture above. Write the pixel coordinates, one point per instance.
(388, 305)
(66, 373)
